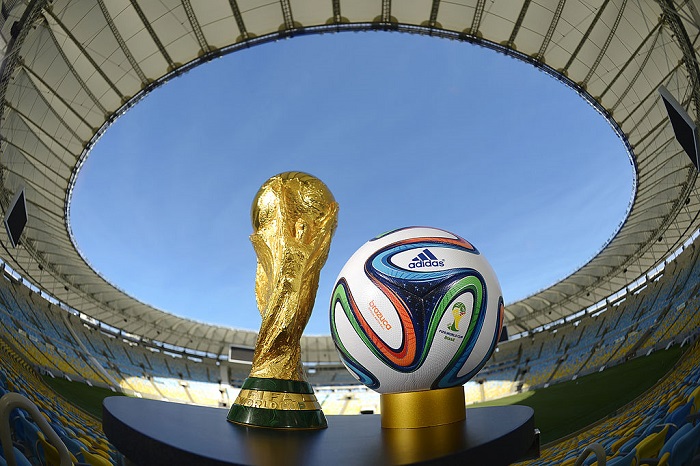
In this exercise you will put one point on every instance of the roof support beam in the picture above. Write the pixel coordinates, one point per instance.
(196, 28)
(58, 118)
(679, 32)
(43, 192)
(33, 76)
(38, 127)
(434, 9)
(74, 72)
(586, 35)
(651, 95)
(70, 258)
(653, 133)
(337, 17)
(147, 24)
(632, 81)
(47, 212)
(54, 227)
(654, 33)
(83, 52)
(239, 19)
(12, 57)
(31, 159)
(122, 44)
(476, 20)
(287, 15)
(550, 31)
(604, 49)
(386, 11)
(518, 24)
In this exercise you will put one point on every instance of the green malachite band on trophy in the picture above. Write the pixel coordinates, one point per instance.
(277, 418)
(277, 385)
(277, 403)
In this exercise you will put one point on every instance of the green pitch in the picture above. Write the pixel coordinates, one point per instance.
(79, 394)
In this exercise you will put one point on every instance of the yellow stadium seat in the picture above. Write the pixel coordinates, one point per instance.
(672, 407)
(618, 443)
(100, 446)
(651, 445)
(695, 395)
(94, 459)
(51, 456)
(663, 461)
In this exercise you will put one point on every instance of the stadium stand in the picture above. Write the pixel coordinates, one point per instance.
(43, 337)
(646, 428)
(81, 433)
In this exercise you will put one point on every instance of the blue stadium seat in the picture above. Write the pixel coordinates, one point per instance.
(608, 442)
(27, 434)
(74, 446)
(590, 461)
(685, 448)
(20, 459)
(667, 451)
(680, 415)
(17, 412)
(629, 445)
(55, 425)
(629, 459)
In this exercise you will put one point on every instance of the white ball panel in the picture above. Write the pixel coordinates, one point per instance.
(375, 307)
(389, 378)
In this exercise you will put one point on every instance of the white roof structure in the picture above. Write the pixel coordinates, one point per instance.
(71, 67)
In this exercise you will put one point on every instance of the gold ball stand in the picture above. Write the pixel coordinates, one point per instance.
(427, 408)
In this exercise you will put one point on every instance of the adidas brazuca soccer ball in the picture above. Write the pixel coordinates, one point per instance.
(415, 309)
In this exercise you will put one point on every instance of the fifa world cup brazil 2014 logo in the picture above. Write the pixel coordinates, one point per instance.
(458, 311)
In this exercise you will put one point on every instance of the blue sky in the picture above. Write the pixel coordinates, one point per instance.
(405, 130)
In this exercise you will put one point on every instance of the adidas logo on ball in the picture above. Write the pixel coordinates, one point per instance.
(426, 259)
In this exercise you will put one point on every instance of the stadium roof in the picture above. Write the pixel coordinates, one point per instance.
(72, 67)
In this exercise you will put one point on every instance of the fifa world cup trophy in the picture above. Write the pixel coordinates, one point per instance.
(294, 217)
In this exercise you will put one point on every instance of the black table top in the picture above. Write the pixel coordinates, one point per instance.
(152, 433)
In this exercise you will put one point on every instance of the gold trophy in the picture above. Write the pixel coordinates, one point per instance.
(294, 217)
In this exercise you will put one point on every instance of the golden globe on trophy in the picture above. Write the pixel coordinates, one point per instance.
(294, 217)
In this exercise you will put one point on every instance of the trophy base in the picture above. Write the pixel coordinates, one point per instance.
(413, 410)
(277, 404)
